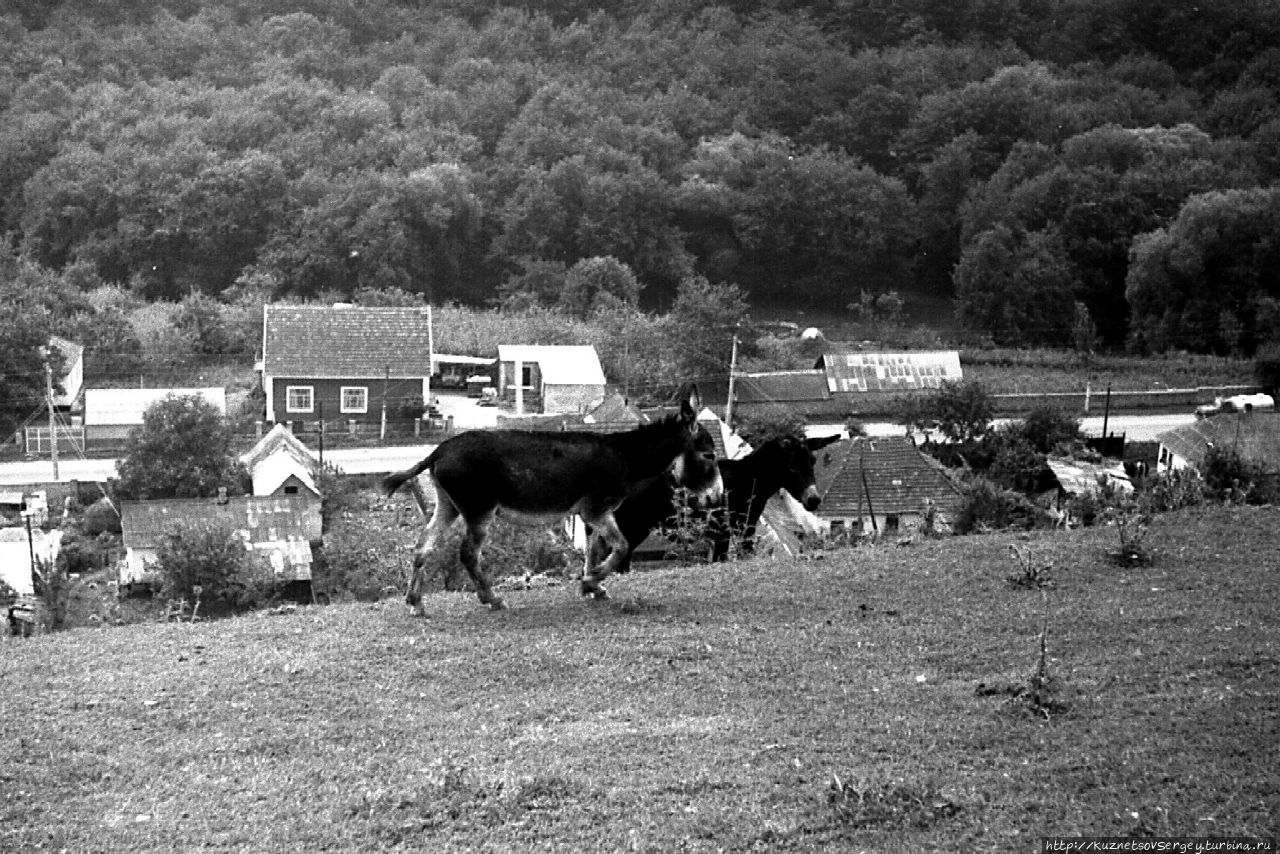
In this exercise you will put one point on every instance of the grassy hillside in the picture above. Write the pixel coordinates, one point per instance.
(781, 705)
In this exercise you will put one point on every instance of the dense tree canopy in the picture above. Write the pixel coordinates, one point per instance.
(804, 152)
(182, 450)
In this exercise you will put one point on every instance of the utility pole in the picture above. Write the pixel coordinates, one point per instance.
(31, 546)
(733, 367)
(53, 421)
(320, 413)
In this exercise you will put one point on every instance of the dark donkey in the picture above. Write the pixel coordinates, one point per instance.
(784, 462)
(780, 463)
(547, 475)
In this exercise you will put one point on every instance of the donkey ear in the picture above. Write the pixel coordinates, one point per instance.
(819, 444)
(690, 403)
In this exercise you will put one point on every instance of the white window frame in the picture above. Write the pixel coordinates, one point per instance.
(342, 399)
(288, 398)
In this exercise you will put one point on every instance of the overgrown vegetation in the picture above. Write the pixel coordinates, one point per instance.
(212, 565)
(171, 166)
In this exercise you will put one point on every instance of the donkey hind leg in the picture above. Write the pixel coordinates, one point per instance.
(472, 541)
(441, 518)
(619, 549)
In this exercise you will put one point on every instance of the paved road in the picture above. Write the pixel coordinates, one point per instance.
(1138, 428)
(350, 460)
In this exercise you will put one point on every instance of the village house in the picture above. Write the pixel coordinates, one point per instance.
(550, 379)
(882, 487)
(1254, 435)
(359, 365)
(281, 528)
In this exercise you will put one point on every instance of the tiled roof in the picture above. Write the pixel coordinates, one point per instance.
(889, 372)
(266, 518)
(356, 342)
(1254, 435)
(889, 474)
(561, 364)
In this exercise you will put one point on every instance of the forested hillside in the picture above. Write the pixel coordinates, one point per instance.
(1064, 170)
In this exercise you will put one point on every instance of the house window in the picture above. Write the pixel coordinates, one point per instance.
(891, 523)
(526, 376)
(299, 398)
(355, 398)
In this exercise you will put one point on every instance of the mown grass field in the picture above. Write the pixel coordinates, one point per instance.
(795, 705)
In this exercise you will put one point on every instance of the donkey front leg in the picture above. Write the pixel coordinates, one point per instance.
(606, 528)
(469, 553)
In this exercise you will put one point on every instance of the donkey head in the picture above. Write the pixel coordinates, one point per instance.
(695, 469)
(795, 467)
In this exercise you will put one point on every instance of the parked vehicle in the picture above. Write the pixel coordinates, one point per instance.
(1236, 403)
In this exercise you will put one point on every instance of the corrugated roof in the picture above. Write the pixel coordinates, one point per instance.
(889, 372)
(357, 342)
(1254, 435)
(561, 364)
(889, 473)
(266, 518)
(125, 406)
(1077, 477)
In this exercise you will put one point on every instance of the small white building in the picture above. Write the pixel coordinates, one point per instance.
(280, 464)
(15, 556)
(551, 379)
(110, 413)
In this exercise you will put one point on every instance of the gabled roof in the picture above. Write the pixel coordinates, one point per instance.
(266, 518)
(280, 440)
(271, 473)
(561, 364)
(856, 371)
(341, 342)
(1254, 435)
(126, 406)
(885, 475)
(615, 409)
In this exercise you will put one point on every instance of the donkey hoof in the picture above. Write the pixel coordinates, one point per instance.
(497, 605)
(595, 590)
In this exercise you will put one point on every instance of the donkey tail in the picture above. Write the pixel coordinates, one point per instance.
(392, 482)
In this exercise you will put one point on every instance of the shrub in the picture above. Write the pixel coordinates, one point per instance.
(1048, 429)
(1175, 490)
(81, 553)
(1015, 464)
(988, 507)
(1229, 476)
(101, 517)
(350, 565)
(216, 560)
(338, 494)
(54, 589)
